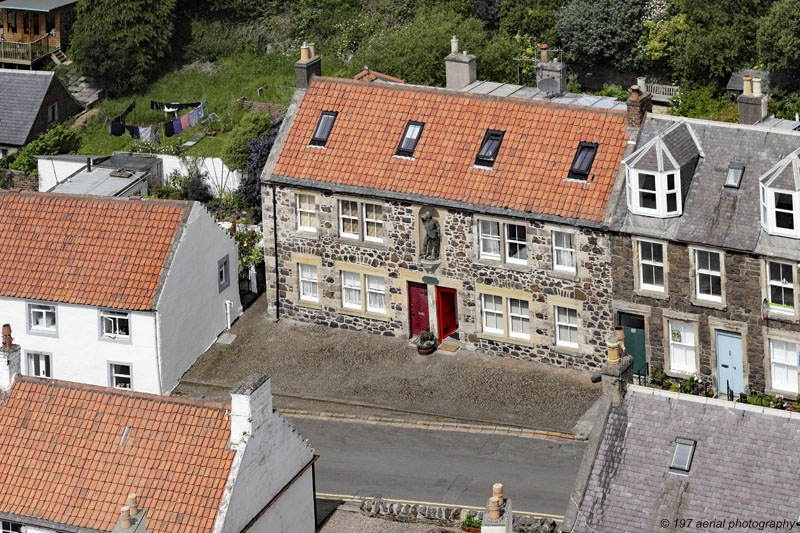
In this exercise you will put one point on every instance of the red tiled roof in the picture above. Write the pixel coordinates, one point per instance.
(530, 171)
(62, 460)
(371, 75)
(88, 250)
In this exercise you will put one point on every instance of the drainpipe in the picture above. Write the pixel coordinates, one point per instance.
(228, 305)
(275, 240)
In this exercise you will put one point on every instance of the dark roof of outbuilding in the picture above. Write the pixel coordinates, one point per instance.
(736, 82)
(744, 465)
(21, 96)
(35, 5)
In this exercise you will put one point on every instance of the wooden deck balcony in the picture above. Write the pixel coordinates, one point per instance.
(24, 53)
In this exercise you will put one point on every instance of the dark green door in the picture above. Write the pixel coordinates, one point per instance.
(633, 325)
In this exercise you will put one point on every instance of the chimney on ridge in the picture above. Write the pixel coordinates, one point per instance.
(310, 65)
(459, 67)
(551, 70)
(131, 518)
(639, 104)
(9, 359)
(251, 406)
(753, 107)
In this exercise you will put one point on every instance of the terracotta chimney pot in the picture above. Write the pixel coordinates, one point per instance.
(133, 505)
(305, 52)
(125, 517)
(494, 508)
(8, 340)
(756, 86)
(545, 50)
(454, 45)
(636, 92)
(497, 492)
(312, 51)
(613, 351)
(747, 87)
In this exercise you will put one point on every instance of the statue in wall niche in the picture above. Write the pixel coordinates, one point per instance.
(430, 246)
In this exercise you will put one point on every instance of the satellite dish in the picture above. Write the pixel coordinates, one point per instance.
(549, 86)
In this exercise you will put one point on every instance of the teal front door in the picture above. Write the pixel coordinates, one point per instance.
(730, 365)
(635, 344)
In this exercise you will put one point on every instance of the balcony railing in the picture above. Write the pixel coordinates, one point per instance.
(24, 53)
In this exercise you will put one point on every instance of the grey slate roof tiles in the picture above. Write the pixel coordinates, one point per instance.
(21, 96)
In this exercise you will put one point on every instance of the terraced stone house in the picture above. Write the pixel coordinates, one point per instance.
(518, 187)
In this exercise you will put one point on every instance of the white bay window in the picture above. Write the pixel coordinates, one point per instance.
(656, 194)
(780, 277)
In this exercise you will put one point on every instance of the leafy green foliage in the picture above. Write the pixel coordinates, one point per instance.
(250, 186)
(700, 102)
(250, 254)
(615, 91)
(59, 140)
(426, 337)
(191, 186)
(120, 42)
(534, 18)
(236, 150)
(779, 37)
(784, 104)
(471, 521)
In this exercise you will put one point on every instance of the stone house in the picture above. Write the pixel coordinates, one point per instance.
(705, 261)
(519, 187)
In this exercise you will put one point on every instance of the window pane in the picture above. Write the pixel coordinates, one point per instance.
(670, 182)
(647, 200)
(658, 273)
(646, 250)
(565, 258)
(714, 262)
(672, 202)
(647, 182)
(658, 251)
(490, 229)
(783, 201)
(784, 220)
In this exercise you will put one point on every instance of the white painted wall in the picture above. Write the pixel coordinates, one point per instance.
(293, 512)
(79, 353)
(219, 177)
(52, 171)
(36, 529)
(191, 309)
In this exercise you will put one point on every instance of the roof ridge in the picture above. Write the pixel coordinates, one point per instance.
(98, 199)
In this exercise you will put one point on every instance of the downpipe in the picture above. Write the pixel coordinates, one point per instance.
(275, 250)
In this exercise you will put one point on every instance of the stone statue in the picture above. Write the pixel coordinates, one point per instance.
(430, 246)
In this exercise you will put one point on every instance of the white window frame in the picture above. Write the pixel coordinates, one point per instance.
(44, 310)
(113, 374)
(342, 217)
(490, 238)
(354, 284)
(783, 284)
(113, 317)
(304, 278)
(524, 316)
(654, 264)
(787, 363)
(30, 357)
(691, 368)
(661, 192)
(523, 243)
(7, 526)
(494, 312)
(707, 272)
(368, 278)
(569, 325)
(378, 222)
(310, 211)
(571, 251)
(769, 211)
(223, 273)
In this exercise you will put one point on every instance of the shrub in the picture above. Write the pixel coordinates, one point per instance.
(236, 149)
(59, 140)
(697, 102)
(615, 91)
(191, 186)
(250, 254)
(250, 186)
(471, 521)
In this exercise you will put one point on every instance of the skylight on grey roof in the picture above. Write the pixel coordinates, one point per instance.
(684, 453)
(734, 177)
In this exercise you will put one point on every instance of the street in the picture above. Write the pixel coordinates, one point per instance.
(441, 467)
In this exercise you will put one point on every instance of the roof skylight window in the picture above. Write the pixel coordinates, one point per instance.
(684, 453)
(489, 148)
(734, 177)
(410, 138)
(582, 164)
(324, 127)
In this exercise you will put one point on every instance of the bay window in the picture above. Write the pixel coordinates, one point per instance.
(780, 211)
(653, 193)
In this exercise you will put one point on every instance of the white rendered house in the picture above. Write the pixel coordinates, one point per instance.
(119, 292)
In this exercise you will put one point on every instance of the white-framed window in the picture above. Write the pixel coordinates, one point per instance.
(784, 211)
(376, 294)
(655, 194)
(781, 287)
(373, 222)
(682, 347)
(519, 319)
(115, 324)
(708, 275)
(348, 219)
(309, 290)
(780, 211)
(52, 113)
(10, 527)
(39, 364)
(784, 363)
(42, 318)
(651, 266)
(566, 327)
(564, 251)
(306, 212)
(492, 310)
(351, 290)
(223, 273)
(489, 233)
(516, 244)
(120, 375)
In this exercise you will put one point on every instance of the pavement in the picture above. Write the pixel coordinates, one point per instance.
(316, 368)
(347, 522)
(441, 468)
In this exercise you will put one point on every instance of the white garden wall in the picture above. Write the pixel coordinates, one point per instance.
(219, 177)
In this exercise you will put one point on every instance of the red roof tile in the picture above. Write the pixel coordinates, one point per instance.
(88, 250)
(530, 171)
(62, 460)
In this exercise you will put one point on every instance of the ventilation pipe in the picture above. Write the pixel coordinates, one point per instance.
(88, 164)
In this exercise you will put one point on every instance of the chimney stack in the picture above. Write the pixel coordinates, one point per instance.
(459, 67)
(498, 517)
(639, 104)
(616, 374)
(131, 519)
(10, 359)
(753, 104)
(310, 65)
(251, 406)
(554, 70)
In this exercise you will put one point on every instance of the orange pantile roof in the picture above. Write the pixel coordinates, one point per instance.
(62, 460)
(371, 75)
(89, 250)
(530, 171)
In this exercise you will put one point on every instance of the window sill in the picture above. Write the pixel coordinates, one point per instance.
(783, 317)
(568, 350)
(306, 303)
(786, 394)
(364, 314)
(508, 340)
(680, 374)
(307, 233)
(353, 241)
(711, 304)
(499, 263)
(116, 340)
(43, 333)
(565, 274)
(652, 294)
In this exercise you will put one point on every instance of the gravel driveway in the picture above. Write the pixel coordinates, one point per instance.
(309, 360)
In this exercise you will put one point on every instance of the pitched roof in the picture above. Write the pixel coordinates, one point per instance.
(529, 174)
(64, 458)
(21, 96)
(744, 466)
(88, 250)
(35, 5)
(371, 75)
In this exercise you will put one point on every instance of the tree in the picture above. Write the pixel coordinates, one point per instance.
(534, 18)
(778, 37)
(120, 42)
(250, 186)
(252, 126)
(59, 140)
(596, 33)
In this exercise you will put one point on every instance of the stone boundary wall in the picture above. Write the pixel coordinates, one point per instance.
(19, 180)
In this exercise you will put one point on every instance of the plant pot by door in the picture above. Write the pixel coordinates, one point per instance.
(426, 350)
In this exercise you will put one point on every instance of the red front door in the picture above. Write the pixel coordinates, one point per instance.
(418, 308)
(447, 311)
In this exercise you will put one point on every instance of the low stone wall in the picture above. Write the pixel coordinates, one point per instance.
(14, 179)
(445, 516)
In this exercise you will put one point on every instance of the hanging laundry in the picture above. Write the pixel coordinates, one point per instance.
(200, 113)
(185, 122)
(115, 127)
(133, 130)
(176, 125)
(146, 134)
(169, 130)
(156, 135)
(193, 117)
(171, 106)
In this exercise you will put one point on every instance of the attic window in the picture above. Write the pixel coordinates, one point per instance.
(324, 127)
(489, 148)
(582, 164)
(734, 178)
(684, 453)
(410, 138)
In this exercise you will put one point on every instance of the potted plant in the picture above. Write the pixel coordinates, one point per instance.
(426, 343)
(657, 376)
(470, 524)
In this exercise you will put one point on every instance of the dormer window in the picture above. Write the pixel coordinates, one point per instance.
(324, 127)
(655, 194)
(410, 138)
(582, 164)
(780, 197)
(489, 148)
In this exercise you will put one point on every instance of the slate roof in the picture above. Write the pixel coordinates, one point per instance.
(529, 174)
(745, 465)
(371, 75)
(64, 459)
(21, 96)
(736, 81)
(715, 215)
(89, 250)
